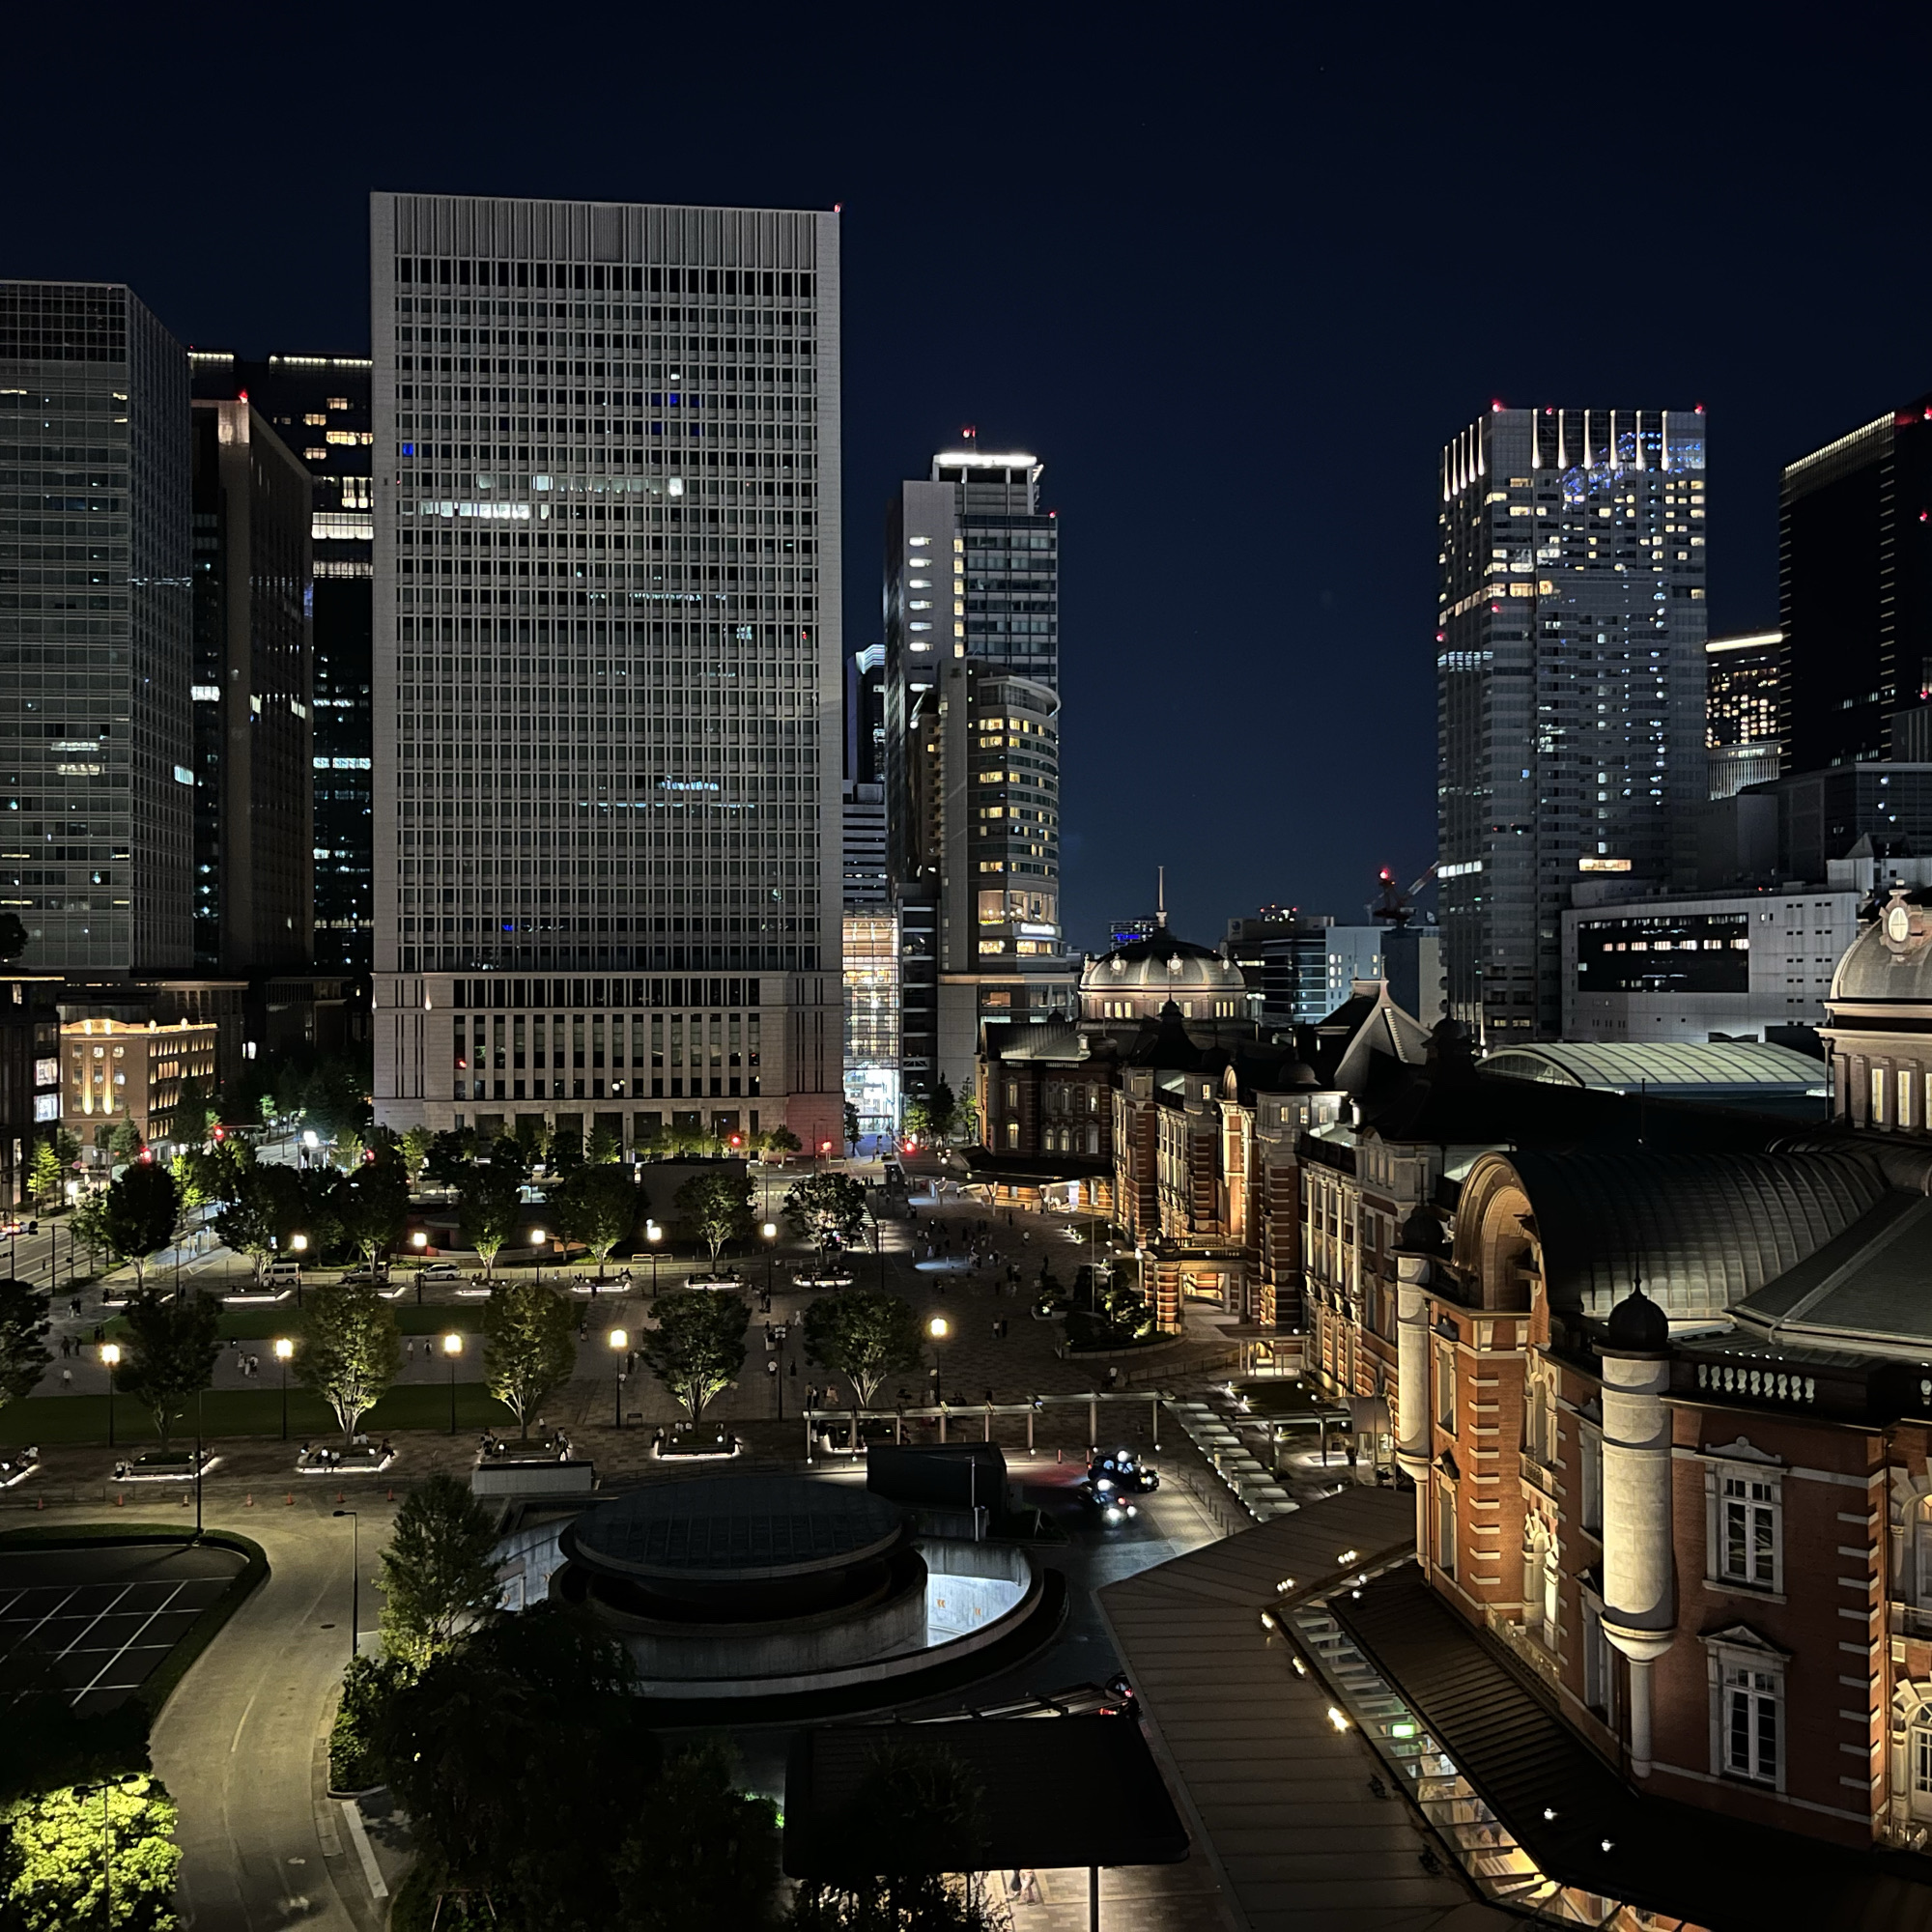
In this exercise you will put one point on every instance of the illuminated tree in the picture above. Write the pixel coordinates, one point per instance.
(175, 1340)
(698, 1347)
(71, 1850)
(717, 1206)
(826, 1207)
(866, 1335)
(437, 1574)
(140, 1212)
(529, 1346)
(349, 1349)
(23, 1339)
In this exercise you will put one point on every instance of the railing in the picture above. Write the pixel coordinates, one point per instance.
(1519, 1643)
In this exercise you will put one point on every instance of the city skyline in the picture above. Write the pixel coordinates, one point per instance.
(1288, 554)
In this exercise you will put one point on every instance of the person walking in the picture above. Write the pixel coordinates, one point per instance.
(67, 1381)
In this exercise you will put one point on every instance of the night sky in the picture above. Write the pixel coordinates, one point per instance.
(1233, 274)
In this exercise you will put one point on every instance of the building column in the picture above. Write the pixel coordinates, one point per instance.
(1640, 1591)
(1411, 1388)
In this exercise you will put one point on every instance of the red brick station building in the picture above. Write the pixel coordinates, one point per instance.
(1656, 1363)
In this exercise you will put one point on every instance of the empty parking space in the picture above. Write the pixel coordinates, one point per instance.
(97, 1620)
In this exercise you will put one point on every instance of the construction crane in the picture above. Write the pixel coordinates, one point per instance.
(1397, 907)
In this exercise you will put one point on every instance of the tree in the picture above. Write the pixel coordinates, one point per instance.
(912, 1839)
(781, 1140)
(717, 1206)
(488, 1207)
(372, 1202)
(852, 1126)
(193, 1115)
(826, 1207)
(125, 1143)
(90, 1225)
(515, 1755)
(438, 1575)
(450, 1157)
(603, 1147)
(263, 1207)
(176, 1339)
(866, 1335)
(57, 1879)
(138, 1219)
(13, 936)
(698, 1347)
(529, 1346)
(701, 1852)
(23, 1339)
(52, 1167)
(416, 1144)
(348, 1350)
(597, 1205)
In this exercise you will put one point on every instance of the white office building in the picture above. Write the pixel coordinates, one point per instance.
(606, 666)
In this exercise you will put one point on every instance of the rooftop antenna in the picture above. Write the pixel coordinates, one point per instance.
(1161, 912)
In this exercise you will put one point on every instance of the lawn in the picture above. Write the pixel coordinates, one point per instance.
(66, 1419)
(262, 1323)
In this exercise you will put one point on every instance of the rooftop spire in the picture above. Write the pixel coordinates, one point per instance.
(1161, 912)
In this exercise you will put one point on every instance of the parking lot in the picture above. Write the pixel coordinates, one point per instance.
(98, 1619)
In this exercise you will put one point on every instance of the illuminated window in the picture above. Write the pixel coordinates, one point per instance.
(316, 420)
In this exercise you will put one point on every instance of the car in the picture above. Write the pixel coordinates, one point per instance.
(361, 1274)
(1114, 1482)
(19, 1228)
(440, 1271)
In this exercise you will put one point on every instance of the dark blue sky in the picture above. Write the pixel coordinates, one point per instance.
(1234, 274)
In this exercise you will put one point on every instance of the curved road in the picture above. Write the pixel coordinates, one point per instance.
(239, 1743)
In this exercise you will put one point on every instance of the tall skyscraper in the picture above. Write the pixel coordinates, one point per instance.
(1570, 685)
(1741, 711)
(95, 628)
(253, 868)
(607, 666)
(1855, 590)
(318, 406)
(972, 738)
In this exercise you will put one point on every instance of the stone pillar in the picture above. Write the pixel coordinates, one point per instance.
(1639, 1582)
(1411, 1388)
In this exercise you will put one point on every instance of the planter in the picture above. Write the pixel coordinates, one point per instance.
(169, 1469)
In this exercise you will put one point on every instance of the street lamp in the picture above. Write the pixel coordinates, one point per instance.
(110, 1356)
(537, 1239)
(355, 1579)
(619, 1341)
(937, 1328)
(770, 1230)
(284, 1348)
(419, 1240)
(653, 1234)
(298, 1245)
(452, 1347)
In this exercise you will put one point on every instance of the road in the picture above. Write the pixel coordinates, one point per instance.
(239, 1743)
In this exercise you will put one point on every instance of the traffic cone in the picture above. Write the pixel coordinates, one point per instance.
(292, 1499)
(120, 1501)
(340, 1497)
(250, 1503)
(392, 1496)
(184, 1500)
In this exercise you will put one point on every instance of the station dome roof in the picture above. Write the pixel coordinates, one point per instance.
(1162, 963)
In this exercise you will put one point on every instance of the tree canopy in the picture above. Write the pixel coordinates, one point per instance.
(529, 1346)
(175, 1341)
(698, 1347)
(826, 1207)
(701, 1852)
(715, 1207)
(865, 1334)
(23, 1339)
(596, 1204)
(56, 1878)
(438, 1575)
(488, 1207)
(372, 1203)
(139, 1213)
(348, 1350)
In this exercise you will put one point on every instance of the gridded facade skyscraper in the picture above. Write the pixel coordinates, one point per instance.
(608, 667)
(1570, 685)
(1741, 711)
(94, 629)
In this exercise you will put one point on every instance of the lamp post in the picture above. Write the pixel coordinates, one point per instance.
(937, 1328)
(773, 1368)
(619, 1341)
(110, 1356)
(419, 1240)
(770, 1230)
(653, 1234)
(537, 1239)
(354, 1580)
(284, 1348)
(452, 1347)
(299, 1247)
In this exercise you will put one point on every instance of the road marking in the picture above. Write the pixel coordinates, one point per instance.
(352, 1816)
(245, 1709)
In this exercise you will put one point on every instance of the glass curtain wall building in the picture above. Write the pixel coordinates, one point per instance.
(1570, 686)
(972, 740)
(606, 659)
(96, 627)
(318, 406)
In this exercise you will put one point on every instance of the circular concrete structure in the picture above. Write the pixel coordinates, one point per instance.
(755, 1586)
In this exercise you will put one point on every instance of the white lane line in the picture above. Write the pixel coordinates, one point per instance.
(122, 1649)
(245, 1709)
(105, 1611)
(352, 1816)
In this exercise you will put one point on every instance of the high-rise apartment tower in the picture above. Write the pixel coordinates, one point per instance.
(1741, 711)
(1570, 685)
(608, 667)
(96, 785)
(972, 738)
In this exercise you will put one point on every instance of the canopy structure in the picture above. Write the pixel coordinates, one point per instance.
(1055, 1792)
